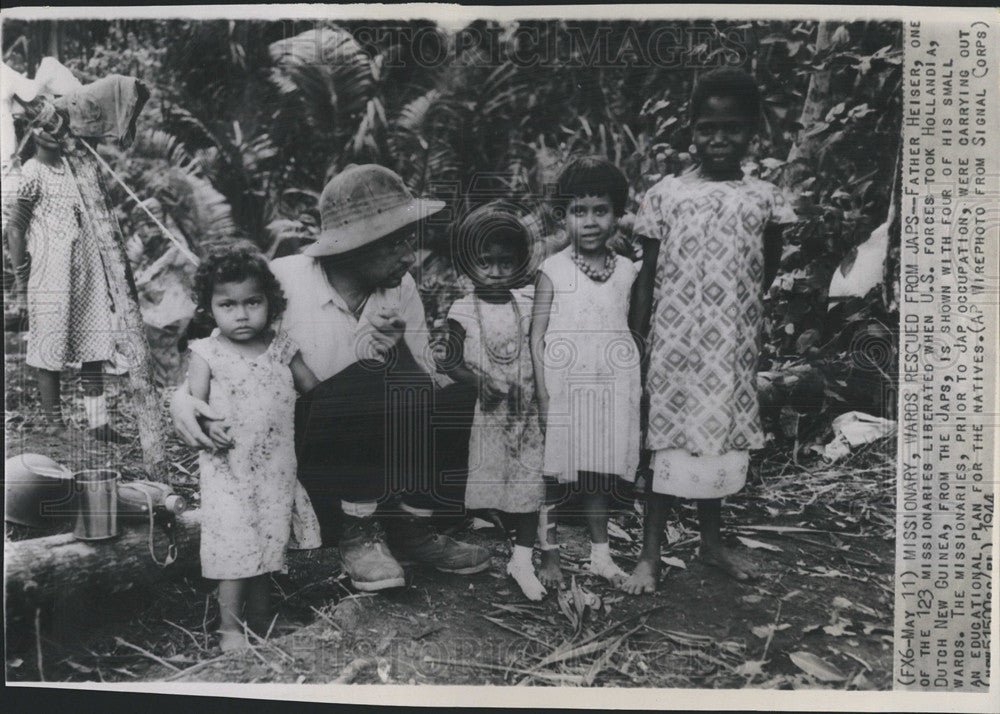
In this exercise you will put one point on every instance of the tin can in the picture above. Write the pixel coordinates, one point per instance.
(96, 504)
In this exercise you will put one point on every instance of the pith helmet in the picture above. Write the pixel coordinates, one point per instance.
(37, 491)
(362, 204)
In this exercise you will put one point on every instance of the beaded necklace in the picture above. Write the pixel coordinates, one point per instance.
(599, 275)
(509, 355)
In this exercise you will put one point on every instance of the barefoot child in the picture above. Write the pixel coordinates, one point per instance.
(586, 362)
(710, 248)
(489, 350)
(249, 373)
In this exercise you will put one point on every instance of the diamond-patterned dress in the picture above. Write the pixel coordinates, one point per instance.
(705, 329)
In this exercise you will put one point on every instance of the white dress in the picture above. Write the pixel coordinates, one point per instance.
(248, 491)
(591, 368)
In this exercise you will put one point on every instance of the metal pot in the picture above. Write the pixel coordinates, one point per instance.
(96, 504)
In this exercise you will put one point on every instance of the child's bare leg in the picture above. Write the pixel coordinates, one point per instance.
(520, 567)
(712, 550)
(647, 571)
(95, 403)
(595, 506)
(92, 377)
(258, 609)
(550, 572)
(48, 389)
(232, 598)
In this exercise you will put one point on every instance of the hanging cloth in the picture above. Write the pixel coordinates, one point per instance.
(12, 83)
(107, 108)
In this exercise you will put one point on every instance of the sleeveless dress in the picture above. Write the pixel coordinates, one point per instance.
(248, 491)
(69, 303)
(505, 443)
(591, 368)
(705, 329)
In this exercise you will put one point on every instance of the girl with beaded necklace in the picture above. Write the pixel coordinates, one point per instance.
(586, 362)
(488, 349)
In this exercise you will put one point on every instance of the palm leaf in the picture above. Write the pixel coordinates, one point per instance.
(158, 144)
(326, 71)
(413, 117)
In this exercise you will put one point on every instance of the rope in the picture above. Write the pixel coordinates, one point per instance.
(171, 548)
(183, 249)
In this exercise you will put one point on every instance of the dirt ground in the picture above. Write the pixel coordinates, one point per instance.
(819, 615)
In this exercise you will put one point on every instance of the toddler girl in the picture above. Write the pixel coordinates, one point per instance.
(586, 361)
(710, 248)
(488, 338)
(249, 373)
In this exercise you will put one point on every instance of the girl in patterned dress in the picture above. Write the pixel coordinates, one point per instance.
(711, 245)
(586, 362)
(248, 485)
(68, 301)
(488, 332)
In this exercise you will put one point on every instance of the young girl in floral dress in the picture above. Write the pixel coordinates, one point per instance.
(248, 373)
(489, 350)
(586, 361)
(710, 248)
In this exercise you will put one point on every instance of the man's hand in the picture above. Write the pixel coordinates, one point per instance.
(387, 328)
(218, 432)
(389, 324)
(185, 411)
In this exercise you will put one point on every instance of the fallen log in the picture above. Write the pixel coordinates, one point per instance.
(36, 570)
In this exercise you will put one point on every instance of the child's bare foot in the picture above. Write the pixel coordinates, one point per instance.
(731, 564)
(550, 574)
(644, 578)
(233, 641)
(609, 570)
(526, 580)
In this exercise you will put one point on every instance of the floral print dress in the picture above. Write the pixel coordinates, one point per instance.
(505, 443)
(248, 491)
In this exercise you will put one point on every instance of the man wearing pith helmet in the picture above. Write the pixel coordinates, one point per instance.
(355, 312)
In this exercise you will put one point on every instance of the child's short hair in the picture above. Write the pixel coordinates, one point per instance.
(591, 176)
(234, 264)
(495, 222)
(727, 82)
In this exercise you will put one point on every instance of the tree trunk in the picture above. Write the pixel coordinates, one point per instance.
(55, 41)
(38, 569)
(131, 340)
(818, 94)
